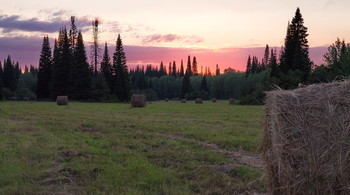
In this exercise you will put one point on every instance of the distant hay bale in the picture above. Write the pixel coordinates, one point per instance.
(14, 98)
(213, 100)
(183, 100)
(62, 100)
(138, 100)
(166, 99)
(199, 101)
(306, 144)
(232, 101)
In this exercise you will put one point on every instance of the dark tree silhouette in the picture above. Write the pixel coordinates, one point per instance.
(106, 68)
(9, 78)
(194, 66)
(189, 67)
(204, 85)
(249, 67)
(73, 33)
(295, 55)
(217, 71)
(45, 71)
(186, 85)
(80, 81)
(162, 70)
(182, 71)
(120, 71)
(174, 73)
(95, 46)
(61, 66)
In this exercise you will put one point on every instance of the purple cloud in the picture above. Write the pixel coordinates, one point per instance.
(158, 38)
(14, 22)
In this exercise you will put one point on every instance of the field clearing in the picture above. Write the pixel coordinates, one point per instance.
(165, 148)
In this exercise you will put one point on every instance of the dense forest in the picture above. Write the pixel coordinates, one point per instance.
(65, 71)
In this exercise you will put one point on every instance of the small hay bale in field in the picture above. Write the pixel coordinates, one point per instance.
(199, 101)
(232, 101)
(183, 100)
(306, 144)
(62, 100)
(213, 100)
(138, 100)
(166, 99)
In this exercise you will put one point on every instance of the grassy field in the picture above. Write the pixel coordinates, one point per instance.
(165, 148)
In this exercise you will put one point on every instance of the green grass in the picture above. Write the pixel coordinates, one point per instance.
(113, 148)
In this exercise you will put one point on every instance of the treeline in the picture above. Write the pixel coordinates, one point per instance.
(16, 83)
(66, 71)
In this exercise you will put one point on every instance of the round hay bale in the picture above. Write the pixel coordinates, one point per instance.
(138, 100)
(213, 100)
(199, 101)
(62, 100)
(306, 140)
(166, 99)
(232, 101)
(183, 100)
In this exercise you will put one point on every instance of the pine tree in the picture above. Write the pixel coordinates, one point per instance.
(265, 61)
(170, 69)
(189, 67)
(295, 55)
(9, 78)
(217, 71)
(26, 70)
(249, 67)
(106, 68)
(182, 71)
(174, 73)
(1, 82)
(186, 85)
(162, 70)
(273, 64)
(18, 71)
(204, 85)
(95, 51)
(194, 66)
(80, 81)
(45, 71)
(61, 66)
(122, 80)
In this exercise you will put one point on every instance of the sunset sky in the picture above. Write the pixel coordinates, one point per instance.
(220, 32)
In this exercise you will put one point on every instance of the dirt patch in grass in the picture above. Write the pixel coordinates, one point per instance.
(91, 130)
(240, 158)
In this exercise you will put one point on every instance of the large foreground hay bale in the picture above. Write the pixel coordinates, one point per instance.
(199, 101)
(138, 100)
(62, 100)
(306, 144)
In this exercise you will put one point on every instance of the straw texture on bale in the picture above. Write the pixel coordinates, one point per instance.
(306, 145)
(183, 100)
(138, 100)
(199, 101)
(213, 100)
(62, 100)
(231, 101)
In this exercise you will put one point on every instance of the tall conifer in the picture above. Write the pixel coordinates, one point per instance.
(45, 71)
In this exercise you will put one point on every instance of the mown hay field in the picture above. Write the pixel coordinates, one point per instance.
(164, 148)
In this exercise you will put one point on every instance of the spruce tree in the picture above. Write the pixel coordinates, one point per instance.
(249, 67)
(170, 69)
(189, 67)
(80, 81)
(62, 65)
(45, 71)
(9, 78)
(266, 60)
(162, 70)
(1, 82)
(174, 74)
(204, 85)
(194, 66)
(186, 85)
(106, 68)
(217, 71)
(122, 80)
(295, 55)
(18, 71)
(182, 71)
(73, 34)
(273, 64)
